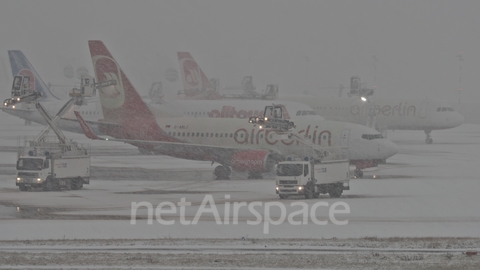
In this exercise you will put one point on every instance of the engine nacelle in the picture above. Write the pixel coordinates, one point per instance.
(257, 161)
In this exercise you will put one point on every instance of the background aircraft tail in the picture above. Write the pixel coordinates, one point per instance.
(192, 76)
(121, 103)
(21, 66)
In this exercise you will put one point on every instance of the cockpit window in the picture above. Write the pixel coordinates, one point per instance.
(299, 113)
(444, 109)
(372, 136)
(304, 113)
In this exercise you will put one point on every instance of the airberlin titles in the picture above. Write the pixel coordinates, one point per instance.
(255, 136)
(243, 136)
(400, 110)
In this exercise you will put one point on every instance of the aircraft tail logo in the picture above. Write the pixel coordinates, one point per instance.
(121, 103)
(192, 76)
(21, 66)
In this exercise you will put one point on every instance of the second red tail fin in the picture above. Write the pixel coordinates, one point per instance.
(192, 76)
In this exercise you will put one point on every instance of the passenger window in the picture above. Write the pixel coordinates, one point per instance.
(206, 134)
(231, 135)
(198, 134)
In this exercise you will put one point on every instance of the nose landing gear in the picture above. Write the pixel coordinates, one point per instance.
(429, 139)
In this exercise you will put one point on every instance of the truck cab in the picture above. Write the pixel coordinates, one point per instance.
(312, 178)
(31, 171)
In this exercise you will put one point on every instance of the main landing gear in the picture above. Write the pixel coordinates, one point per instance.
(254, 175)
(358, 173)
(429, 139)
(222, 172)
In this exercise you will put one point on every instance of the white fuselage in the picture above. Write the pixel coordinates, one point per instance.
(240, 134)
(392, 114)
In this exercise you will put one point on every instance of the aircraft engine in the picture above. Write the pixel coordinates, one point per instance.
(257, 161)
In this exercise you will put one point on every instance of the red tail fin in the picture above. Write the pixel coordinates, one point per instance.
(120, 101)
(192, 76)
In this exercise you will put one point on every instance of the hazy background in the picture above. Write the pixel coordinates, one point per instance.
(415, 42)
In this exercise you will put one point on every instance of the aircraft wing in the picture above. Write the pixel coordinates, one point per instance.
(22, 113)
(175, 149)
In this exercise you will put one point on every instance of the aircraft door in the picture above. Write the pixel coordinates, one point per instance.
(345, 138)
(423, 109)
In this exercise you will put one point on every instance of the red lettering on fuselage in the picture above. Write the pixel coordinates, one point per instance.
(256, 136)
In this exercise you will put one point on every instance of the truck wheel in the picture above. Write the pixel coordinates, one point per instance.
(335, 192)
(48, 185)
(23, 188)
(76, 184)
(283, 196)
(308, 193)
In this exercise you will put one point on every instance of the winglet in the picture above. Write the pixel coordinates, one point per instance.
(86, 129)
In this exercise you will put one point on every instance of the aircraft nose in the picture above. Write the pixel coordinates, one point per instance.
(389, 148)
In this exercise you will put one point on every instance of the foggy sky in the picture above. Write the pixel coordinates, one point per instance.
(415, 42)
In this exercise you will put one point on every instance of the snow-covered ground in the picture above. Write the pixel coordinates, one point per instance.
(424, 192)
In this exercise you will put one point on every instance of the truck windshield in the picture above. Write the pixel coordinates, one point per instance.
(30, 164)
(289, 169)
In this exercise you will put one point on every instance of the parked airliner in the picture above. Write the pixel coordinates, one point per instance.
(391, 114)
(233, 143)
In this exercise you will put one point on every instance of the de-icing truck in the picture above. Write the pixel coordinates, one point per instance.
(321, 170)
(51, 162)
